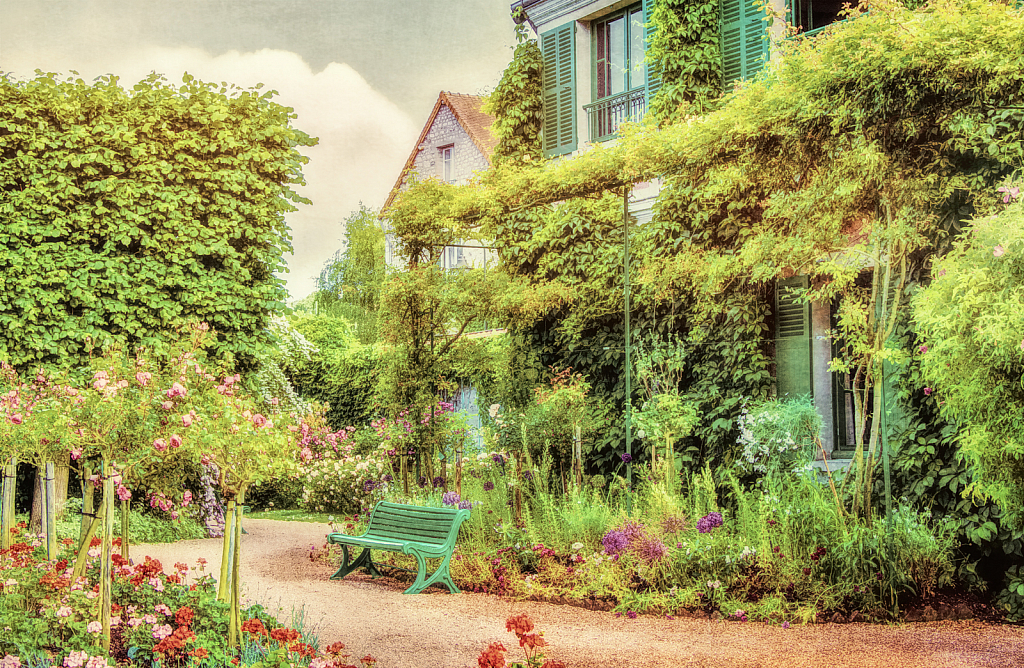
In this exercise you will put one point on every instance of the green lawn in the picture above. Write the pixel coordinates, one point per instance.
(294, 516)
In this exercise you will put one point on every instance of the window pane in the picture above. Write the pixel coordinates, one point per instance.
(636, 49)
(602, 59)
(617, 55)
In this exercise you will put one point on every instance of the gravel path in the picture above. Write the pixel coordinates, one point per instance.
(437, 630)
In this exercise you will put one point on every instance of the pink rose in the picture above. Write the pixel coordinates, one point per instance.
(160, 445)
(259, 420)
(177, 390)
(76, 453)
(123, 493)
(186, 498)
(175, 441)
(16, 418)
(186, 420)
(999, 251)
(143, 378)
(167, 405)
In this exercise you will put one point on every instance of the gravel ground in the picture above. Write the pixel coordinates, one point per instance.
(438, 630)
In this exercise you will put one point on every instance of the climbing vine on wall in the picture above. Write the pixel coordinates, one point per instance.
(517, 107)
(685, 49)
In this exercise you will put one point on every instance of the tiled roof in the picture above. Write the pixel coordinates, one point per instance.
(468, 111)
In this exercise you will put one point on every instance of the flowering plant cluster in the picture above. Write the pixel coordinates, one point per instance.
(522, 626)
(345, 482)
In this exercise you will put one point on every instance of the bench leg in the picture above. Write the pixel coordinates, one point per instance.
(440, 576)
(362, 561)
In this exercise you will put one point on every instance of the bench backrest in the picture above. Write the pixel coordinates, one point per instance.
(398, 521)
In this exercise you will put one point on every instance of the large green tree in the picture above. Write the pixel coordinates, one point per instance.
(350, 283)
(125, 212)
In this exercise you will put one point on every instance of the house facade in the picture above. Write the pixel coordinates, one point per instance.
(596, 76)
(455, 144)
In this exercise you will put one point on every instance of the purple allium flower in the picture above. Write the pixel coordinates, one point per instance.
(528, 475)
(438, 481)
(615, 542)
(387, 478)
(450, 498)
(466, 505)
(673, 524)
(631, 614)
(369, 485)
(785, 625)
(498, 459)
(488, 486)
(650, 549)
(709, 522)
(422, 482)
(626, 457)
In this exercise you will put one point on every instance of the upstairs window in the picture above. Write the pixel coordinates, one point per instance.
(447, 171)
(619, 53)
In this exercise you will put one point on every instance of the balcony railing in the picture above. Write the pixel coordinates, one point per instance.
(606, 115)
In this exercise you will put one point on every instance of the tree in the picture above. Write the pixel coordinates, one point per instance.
(126, 213)
(971, 323)
(350, 283)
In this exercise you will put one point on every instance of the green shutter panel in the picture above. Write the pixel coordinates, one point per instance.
(744, 42)
(792, 339)
(652, 70)
(558, 50)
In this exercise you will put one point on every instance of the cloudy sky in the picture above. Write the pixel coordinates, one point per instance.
(362, 75)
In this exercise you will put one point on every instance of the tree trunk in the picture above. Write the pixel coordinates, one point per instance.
(62, 471)
(61, 495)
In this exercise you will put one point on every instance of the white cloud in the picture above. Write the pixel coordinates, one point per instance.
(364, 137)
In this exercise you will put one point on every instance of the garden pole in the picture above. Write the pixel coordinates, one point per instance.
(629, 389)
(236, 620)
(50, 516)
(7, 503)
(108, 531)
(87, 506)
(224, 586)
(41, 479)
(126, 506)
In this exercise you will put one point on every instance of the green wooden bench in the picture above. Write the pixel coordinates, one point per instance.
(425, 533)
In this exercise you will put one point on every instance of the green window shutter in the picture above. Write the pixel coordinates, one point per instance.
(558, 50)
(792, 339)
(744, 42)
(653, 70)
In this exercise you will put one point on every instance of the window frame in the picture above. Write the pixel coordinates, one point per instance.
(635, 69)
(446, 156)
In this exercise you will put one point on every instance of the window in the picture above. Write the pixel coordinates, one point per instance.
(745, 43)
(621, 81)
(619, 53)
(794, 366)
(447, 171)
(811, 15)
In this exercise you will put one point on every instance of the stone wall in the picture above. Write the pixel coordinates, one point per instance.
(446, 131)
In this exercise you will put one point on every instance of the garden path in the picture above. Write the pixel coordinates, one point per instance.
(436, 630)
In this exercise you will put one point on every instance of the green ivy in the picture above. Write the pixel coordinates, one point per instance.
(685, 49)
(125, 213)
(517, 107)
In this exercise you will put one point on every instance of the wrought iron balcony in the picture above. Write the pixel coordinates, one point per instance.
(606, 115)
